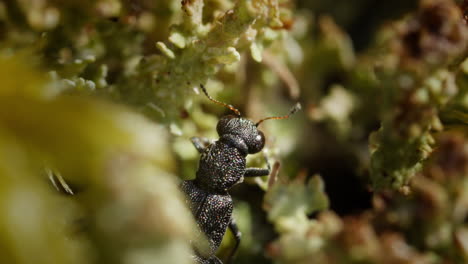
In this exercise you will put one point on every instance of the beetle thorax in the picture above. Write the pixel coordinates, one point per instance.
(221, 166)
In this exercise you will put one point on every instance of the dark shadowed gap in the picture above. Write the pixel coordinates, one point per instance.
(327, 156)
(373, 16)
(360, 18)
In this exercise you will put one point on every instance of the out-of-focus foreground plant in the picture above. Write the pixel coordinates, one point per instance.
(99, 98)
(125, 197)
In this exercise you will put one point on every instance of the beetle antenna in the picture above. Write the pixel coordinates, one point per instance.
(219, 102)
(293, 110)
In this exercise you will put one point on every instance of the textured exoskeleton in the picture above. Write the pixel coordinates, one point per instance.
(223, 164)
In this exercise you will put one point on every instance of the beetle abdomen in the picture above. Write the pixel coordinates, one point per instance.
(214, 217)
(211, 211)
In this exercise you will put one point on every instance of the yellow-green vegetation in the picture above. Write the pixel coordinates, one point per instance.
(126, 210)
(98, 100)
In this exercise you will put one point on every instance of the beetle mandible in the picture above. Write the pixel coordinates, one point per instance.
(223, 164)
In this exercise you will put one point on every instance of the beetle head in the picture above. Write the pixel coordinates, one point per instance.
(242, 132)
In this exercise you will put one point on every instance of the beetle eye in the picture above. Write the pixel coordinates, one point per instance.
(259, 141)
(260, 137)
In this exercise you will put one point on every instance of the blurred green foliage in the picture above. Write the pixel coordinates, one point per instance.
(99, 99)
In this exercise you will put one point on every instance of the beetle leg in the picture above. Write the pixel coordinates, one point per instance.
(200, 143)
(267, 163)
(215, 260)
(59, 182)
(237, 236)
(256, 172)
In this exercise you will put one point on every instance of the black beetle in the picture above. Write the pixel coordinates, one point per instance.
(222, 165)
